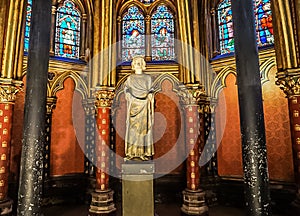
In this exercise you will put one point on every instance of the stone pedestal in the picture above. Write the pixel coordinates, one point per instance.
(194, 202)
(102, 203)
(137, 189)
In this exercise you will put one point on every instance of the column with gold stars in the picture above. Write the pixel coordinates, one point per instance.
(102, 198)
(193, 197)
(7, 99)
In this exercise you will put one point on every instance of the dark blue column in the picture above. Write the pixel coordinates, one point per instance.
(31, 172)
(251, 110)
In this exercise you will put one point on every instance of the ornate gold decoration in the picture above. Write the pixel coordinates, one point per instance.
(8, 93)
(51, 104)
(4, 144)
(2, 170)
(290, 84)
(191, 95)
(104, 98)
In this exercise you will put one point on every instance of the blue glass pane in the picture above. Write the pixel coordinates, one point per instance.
(67, 38)
(133, 34)
(225, 27)
(133, 13)
(264, 26)
(27, 25)
(162, 34)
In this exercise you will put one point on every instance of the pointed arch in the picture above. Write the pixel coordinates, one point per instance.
(58, 84)
(220, 81)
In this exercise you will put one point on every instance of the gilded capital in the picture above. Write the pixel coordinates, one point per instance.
(104, 97)
(290, 84)
(8, 93)
(191, 96)
(51, 104)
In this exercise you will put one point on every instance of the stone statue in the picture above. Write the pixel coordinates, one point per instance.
(140, 113)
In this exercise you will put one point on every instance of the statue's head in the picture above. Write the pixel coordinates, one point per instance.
(138, 64)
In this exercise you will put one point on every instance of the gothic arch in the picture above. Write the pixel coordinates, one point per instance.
(58, 84)
(265, 68)
(220, 81)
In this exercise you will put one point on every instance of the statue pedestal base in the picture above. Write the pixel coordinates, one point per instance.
(102, 203)
(194, 202)
(6, 207)
(137, 189)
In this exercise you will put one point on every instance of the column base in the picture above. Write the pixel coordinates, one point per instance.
(194, 202)
(296, 202)
(6, 207)
(102, 203)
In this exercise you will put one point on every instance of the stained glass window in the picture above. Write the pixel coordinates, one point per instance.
(27, 25)
(147, 1)
(264, 27)
(67, 38)
(225, 27)
(133, 34)
(162, 34)
(263, 21)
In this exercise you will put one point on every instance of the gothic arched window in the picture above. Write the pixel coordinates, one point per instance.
(27, 25)
(147, 29)
(263, 21)
(162, 34)
(133, 34)
(67, 37)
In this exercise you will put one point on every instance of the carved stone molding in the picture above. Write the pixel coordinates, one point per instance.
(104, 97)
(8, 93)
(289, 83)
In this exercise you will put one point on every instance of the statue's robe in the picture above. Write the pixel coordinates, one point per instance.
(140, 116)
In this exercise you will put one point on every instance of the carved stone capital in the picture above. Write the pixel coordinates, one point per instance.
(89, 106)
(289, 83)
(191, 95)
(104, 97)
(50, 104)
(8, 93)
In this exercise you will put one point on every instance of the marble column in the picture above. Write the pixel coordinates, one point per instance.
(287, 43)
(193, 197)
(209, 173)
(256, 179)
(291, 86)
(89, 161)
(31, 170)
(7, 100)
(51, 103)
(102, 199)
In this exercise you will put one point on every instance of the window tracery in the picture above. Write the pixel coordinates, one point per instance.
(263, 22)
(148, 32)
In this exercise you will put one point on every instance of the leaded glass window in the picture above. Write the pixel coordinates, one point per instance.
(264, 27)
(67, 38)
(27, 25)
(263, 21)
(162, 34)
(133, 34)
(225, 27)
